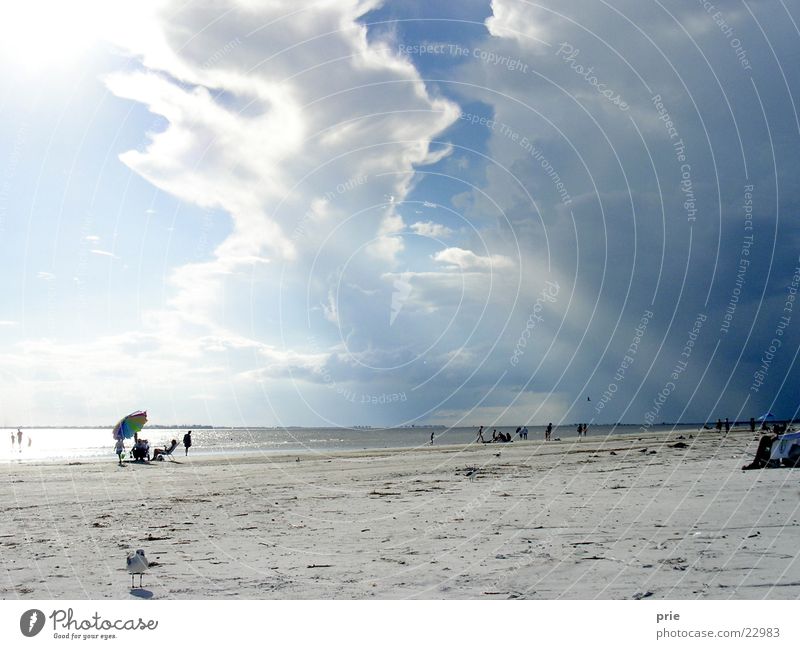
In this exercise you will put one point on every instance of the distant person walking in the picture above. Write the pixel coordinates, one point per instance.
(479, 438)
(719, 425)
(431, 438)
(547, 431)
(752, 425)
(19, 439)
(12, 440)
(727, 425)
(187, 442)
(585, 428)
(580, 429)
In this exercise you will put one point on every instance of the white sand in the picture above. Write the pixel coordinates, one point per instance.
(561, 520)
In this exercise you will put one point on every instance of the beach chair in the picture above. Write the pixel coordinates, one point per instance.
(161, 453)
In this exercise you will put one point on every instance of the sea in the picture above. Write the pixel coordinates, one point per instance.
(67, 444)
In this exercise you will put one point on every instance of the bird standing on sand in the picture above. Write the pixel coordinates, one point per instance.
(137, 564)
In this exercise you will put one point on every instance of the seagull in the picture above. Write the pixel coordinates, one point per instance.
(137, 564)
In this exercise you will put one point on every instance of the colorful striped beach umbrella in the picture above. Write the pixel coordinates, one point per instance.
(128, 426)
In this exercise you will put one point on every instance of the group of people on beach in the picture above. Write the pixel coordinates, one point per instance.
(727, 425)
(522, 432)
(141, 448)
(496, 437)
(18, 438)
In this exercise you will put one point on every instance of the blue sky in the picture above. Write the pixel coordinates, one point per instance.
(385, 213)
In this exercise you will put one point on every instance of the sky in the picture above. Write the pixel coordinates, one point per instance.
(357, 212)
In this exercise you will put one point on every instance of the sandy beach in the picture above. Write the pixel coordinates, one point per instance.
(631, 516)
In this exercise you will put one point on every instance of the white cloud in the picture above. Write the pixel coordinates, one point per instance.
(386, 248)
(520, 21)
(431, 229)
(285, 119)
(466, 260)
(103, 253)
(270, 128)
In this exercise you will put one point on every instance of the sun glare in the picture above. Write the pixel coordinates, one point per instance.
(41, 35)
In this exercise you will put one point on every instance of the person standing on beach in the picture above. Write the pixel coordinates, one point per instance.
(12, 440)
(431, 438)
(752, 425)
(187, 441)
(719, 425)
(524, 432)
(19, 439)
(580, 429)
(547, 431)
(119, 449)
(585, 428)
(727, 425)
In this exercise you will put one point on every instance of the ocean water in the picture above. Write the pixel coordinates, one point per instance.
(60, 444)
